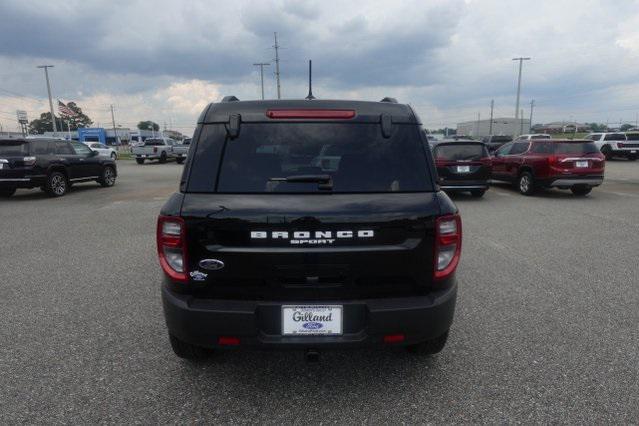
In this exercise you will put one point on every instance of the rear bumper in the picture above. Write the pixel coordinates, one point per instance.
(258, 323)
(626, 152)
(567, 182)
(31, 181)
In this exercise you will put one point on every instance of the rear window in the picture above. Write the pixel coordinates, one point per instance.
(460, 151)
(632, 136)
(540, 137)
(615, 137)
(576, 148)
(11, 148)
(153, 142)
(501, 139)
(355, 156)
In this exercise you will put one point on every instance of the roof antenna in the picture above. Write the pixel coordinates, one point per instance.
(310, 96)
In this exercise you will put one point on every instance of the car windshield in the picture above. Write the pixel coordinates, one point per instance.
(632, 136)
(460, 151)
(313, 157)
(13, 148)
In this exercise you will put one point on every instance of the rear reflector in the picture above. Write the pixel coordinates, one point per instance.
(339, 114)
(393, 338)
(228, 341)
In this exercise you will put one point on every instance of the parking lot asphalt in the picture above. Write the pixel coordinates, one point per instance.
(546, 328)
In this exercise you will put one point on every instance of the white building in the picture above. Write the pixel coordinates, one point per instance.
(501, 126)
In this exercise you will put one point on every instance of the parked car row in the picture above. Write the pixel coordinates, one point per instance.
(617, 144)
(53, 165)
(529, 164)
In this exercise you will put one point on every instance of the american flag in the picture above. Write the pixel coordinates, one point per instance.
(65, 110)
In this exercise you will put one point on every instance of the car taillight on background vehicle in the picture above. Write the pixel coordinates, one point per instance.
(29, 161)
(171, 242)
(448, 240)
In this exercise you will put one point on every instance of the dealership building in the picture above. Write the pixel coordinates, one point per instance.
(509, 126)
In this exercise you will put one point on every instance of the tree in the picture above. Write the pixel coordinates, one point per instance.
(148, 125)
(626, 127)
(43, 124)
(596, 127)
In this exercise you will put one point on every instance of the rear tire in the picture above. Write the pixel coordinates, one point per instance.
(580, 190)
(139, 160)
(179, 160)
(526, 183)
(163, 158)
(108, 177)
(188, 351)
(6, 193)
(429, 347)
(632, 158)
(477, 193)
(57, 184)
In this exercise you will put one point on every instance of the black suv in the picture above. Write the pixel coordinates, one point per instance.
(51, 164)
(308, 224)
(463, 166)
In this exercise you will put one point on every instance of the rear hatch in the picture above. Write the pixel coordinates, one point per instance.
(288, 226)
(12, 158)
(572, 158)
(460, 162)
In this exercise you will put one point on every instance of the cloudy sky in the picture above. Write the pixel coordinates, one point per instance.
(164, 60)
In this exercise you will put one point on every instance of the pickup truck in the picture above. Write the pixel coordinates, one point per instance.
(264, 246)
(156, 149)
(180, 150)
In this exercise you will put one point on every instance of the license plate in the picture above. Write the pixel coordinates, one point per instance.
(143, 156)
(581, 164)
(463, 169)
(633, 152)
(312, 320)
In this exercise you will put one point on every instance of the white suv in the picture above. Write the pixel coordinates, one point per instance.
(616, 144)
(530, 136)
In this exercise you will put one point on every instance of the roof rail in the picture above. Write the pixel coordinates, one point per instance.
(230, 99)
(391, 100)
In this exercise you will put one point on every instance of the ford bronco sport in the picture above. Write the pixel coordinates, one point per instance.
(308, 224)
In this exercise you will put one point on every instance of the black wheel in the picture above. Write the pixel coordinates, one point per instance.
(429, 347)
(114, 156)
(478, 193)
(526, 183)
(581, 190)
(7, 192)
(139, 160)
(163, 157)
(187, 350)
(607, 152)
(57, 184)
(179, 160)
(632, 157)
(108, 177)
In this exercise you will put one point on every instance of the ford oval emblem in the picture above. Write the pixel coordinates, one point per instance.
(313, 325)
(211, 264)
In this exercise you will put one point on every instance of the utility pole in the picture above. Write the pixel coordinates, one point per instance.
(521, 130)
(46, 75)
(521, 61)
(492, 107)
(115, 132)
(262, 65)
(532, 105)
(478, 119)
(277, 67)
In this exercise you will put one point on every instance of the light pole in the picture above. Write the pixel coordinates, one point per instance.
(46, 75)
(521, 61)
(262, 65)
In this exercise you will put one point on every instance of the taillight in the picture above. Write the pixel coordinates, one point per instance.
(448, 239)
(29, 161)
(620, 145)
(171, 242)
(553, 160)
(486, 161)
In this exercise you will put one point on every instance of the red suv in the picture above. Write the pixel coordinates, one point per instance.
(565, 164)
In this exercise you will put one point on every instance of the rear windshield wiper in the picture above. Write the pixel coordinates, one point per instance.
(323, 181)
